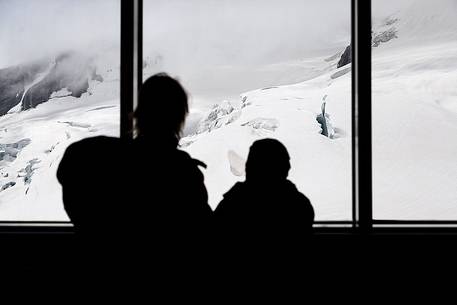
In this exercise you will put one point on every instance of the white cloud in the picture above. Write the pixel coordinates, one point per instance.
(30, 29)
(383, 8)
(244, 31)
(194, 32)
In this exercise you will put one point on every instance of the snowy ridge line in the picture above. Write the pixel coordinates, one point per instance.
(287, 113)
(414, 119)
(39, 78)
(31, 191)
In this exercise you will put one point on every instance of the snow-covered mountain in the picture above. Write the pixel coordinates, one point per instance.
(320, 166)
(415, 118)
(415, 114)
(421, 22)
(31, 84)
(47, 104)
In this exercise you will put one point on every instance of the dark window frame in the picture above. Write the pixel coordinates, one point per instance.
(362, 189)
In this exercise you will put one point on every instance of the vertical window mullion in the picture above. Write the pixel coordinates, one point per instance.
(362, 115)
(353, 120)
(127, 67)
(139, 43)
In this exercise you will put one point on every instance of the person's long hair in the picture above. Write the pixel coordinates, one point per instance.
(162, 108)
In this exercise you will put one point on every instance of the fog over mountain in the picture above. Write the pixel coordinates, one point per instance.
(243, 32)
(254, 69)
(384, 8)
(31, 29)
(264, 30)
(221, 48)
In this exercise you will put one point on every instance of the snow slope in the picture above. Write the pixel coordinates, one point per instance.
(212, 85)
(415, 115)
(414, 126)
(415, 121)
(50, 128)
(321, 167)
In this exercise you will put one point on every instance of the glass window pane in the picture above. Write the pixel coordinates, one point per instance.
(258, 69)
(415, 109)
(59, 83)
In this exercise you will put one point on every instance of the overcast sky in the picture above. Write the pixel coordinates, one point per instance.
(206, 31)
(244, 31)
(383, 8)
(31, 29)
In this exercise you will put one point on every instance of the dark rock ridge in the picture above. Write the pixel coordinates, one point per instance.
(72, 70)
(346, 58)
(385, 32)
(377, 39)
(7, 186)
(383, 37)
(13, 81)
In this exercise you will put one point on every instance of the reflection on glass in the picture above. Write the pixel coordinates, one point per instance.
(59, 83)
(258, 69)
(415, 109)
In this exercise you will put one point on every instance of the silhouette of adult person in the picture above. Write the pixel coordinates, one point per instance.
(266, 206)
(169, 185)
(91, 174)
(139, 197)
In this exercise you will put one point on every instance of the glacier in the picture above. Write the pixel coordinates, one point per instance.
(414, 123)
(33, 139)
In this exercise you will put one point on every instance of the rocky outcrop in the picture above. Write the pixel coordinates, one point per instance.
(346, 58)
(391, 20)
(324, 120)
(221, 114)
(383, 37)
(13, 81)
(385, 32)
(7, 185)
(72, 70)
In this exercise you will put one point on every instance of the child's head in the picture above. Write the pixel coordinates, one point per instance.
(268, 160)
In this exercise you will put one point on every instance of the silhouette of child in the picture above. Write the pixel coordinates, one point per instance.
(267, 205)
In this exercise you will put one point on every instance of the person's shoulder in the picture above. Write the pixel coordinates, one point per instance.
(102, 140)
(292, 190)
(186, 158)
(299, 199)
(231, 199)
(88, 150)
(94, 142)
(237, 189)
